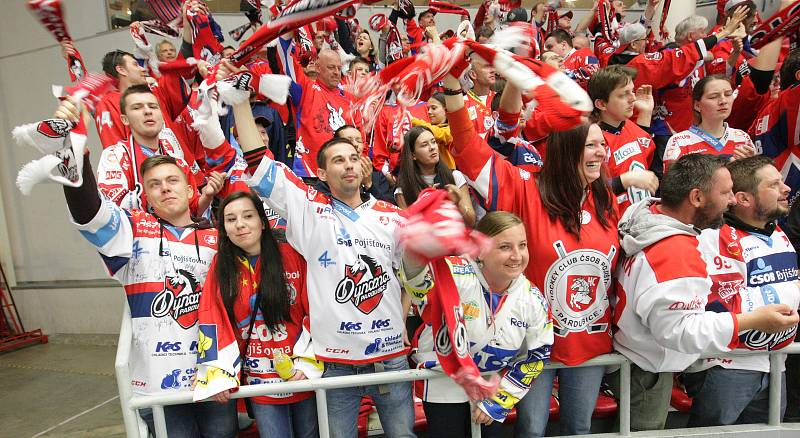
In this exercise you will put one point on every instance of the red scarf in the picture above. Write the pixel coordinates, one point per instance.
(784, 22)
(432, 230)
(49, 13)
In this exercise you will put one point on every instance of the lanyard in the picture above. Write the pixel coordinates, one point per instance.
(708, 138)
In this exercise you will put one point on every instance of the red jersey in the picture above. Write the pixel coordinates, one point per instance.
(777, 135)
(629, 148)
(319, 111)
(574, 275)
(172, 92)
(747, 105)
(479, 112)
(387, 137)
(581, 65)
(695, 140)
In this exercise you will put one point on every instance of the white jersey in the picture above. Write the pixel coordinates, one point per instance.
(514, 340)
(353, 293)
(163, 270)
(749, 270)
(662, 289)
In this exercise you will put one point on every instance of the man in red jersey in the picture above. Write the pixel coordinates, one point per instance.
(580, 64)
(320, 105)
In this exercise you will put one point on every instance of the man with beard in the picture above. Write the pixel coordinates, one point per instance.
(751, 264)
(662, 323)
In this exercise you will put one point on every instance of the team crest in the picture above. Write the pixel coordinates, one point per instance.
(582, 291)
(576, 284)
(363, 284)
(180, 299)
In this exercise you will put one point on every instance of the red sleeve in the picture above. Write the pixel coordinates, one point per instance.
(380, 148)
(536, 127)
(173, 94)
(109, 123)
(487, 169)
(415, 33)
(747, 104)
(660, 69)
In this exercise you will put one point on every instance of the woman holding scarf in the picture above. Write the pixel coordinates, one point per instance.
(253, 311)
(507, 325)
(570, 219)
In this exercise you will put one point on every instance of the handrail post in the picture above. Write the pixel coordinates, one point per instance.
(160, 422)
(322, 413)
(625, 398)
(129, 415)
(775, 362)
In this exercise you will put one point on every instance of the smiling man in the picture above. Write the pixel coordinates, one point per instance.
(663, 323)
(751, 264)
(161, 259)
(347, 237)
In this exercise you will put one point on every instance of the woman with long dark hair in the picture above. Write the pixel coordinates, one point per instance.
(254, 298)
(571, 220)
(420, 168)
(438, 126)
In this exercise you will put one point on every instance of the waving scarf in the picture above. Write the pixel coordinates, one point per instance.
(433, 228)
(49, 13)
(61, 141)
(784, 22)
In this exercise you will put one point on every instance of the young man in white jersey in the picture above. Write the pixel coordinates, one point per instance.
(751, 264)
(161, 260)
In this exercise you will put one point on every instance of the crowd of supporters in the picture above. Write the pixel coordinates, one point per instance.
(282, 226)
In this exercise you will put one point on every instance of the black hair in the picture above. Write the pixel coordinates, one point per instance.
(689, 172)
(410, 179)
(112, 60)
(274, 294)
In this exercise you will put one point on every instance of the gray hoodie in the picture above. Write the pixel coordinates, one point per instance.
(640, 227)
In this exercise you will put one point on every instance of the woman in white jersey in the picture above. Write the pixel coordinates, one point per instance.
(712, 100)
(508, 328)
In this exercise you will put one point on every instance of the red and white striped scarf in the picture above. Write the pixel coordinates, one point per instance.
(49, 13)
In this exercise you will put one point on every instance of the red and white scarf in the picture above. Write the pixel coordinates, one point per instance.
(783, 23)
(433, 229)
(49, 13)
(61, 141)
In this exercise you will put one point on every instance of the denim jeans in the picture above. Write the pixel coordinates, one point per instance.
(393, 401)
(193, 420)
(298, 420)
(726, 396)
(577, 397)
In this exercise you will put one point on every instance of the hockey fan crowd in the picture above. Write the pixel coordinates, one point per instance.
(334, 198)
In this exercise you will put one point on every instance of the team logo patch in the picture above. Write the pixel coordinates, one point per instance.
(582, 291)
(471, 310)
(363, 284)
(576, 284)
(54, 128)
(180, 299)
(207, 343)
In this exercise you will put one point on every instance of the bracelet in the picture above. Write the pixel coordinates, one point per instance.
(451, 92)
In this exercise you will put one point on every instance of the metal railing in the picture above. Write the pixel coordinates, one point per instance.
(131, 402)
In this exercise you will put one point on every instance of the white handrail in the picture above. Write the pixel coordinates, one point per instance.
(131, 402)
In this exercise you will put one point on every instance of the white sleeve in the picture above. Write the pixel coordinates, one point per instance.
(674, 311)
(290, 197)
(110, 231)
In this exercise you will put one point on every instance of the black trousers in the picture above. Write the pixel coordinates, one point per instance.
(452, 420)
